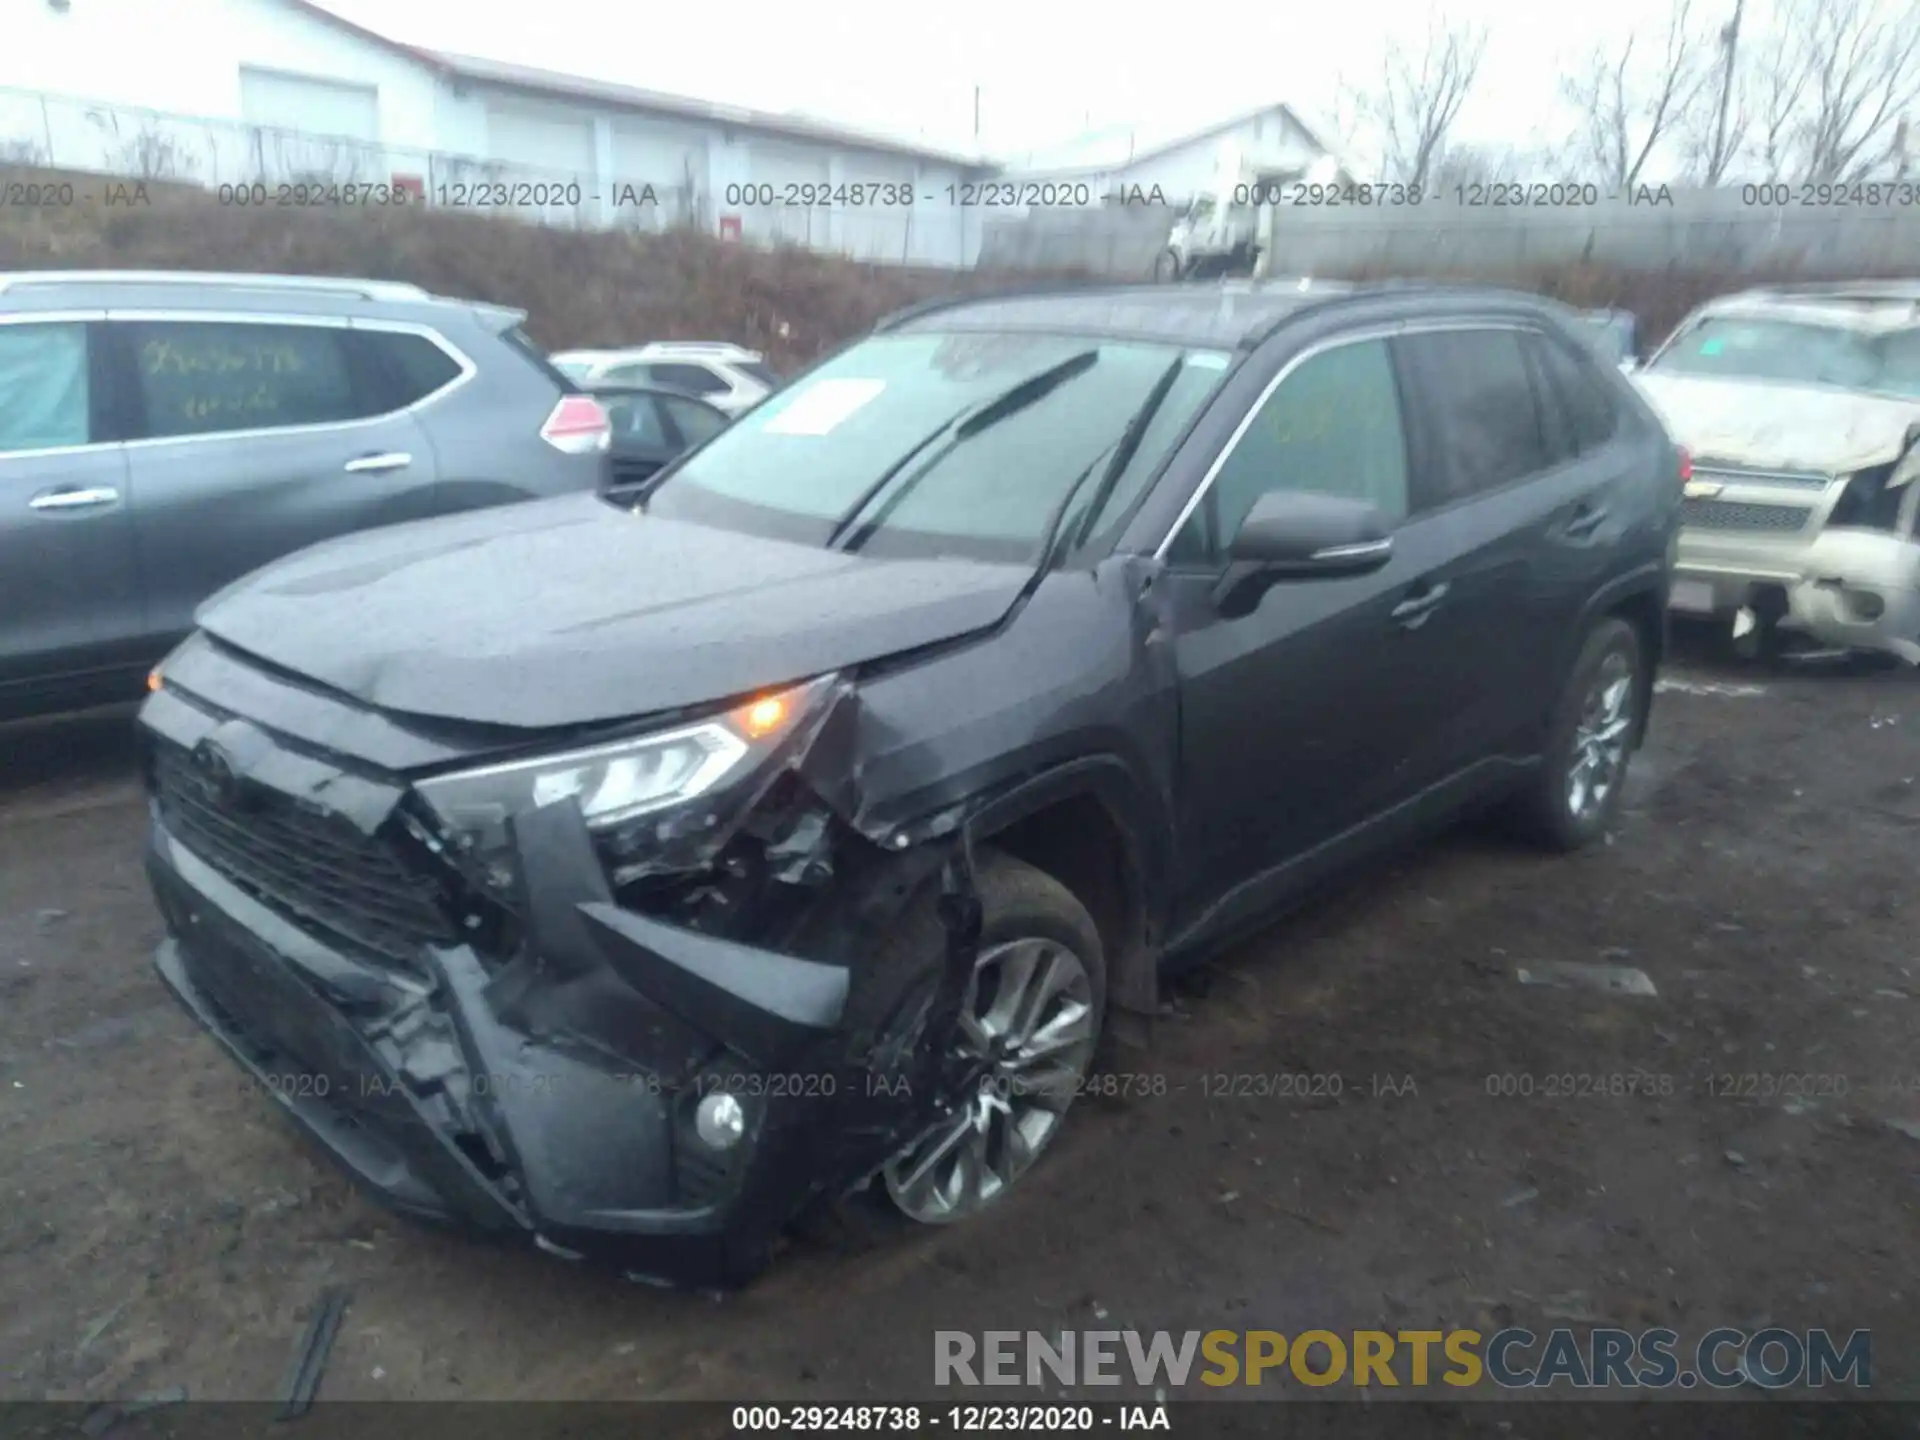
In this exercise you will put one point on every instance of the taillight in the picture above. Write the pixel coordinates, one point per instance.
(578, 426)
(1686, 464)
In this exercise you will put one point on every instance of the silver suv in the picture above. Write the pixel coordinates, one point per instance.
(163, 434)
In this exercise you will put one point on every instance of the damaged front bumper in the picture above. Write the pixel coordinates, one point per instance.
(613, 1088)
(1848, 588)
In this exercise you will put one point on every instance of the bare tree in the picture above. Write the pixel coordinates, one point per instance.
(1712, 133)
(1469, 165)
(1631, 99)
(1862, 59)
(1781, 85)
(1419, 97)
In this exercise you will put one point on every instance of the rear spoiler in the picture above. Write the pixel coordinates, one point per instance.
(498, 318)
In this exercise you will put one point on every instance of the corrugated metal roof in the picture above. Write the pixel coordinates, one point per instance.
(632, 97)
(1115, 147)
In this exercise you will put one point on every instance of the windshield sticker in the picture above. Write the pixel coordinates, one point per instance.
(1207, 362)
(1712, 347)
(823, 406)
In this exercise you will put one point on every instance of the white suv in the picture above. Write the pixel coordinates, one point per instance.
(727, 377)
(1800, 406)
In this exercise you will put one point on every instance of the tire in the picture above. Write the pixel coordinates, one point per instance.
(1024, 913)
(1549, 810)
(1166, 267)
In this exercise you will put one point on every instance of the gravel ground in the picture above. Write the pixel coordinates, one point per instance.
(164, 1227)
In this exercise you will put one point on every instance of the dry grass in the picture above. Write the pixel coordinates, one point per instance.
(588, 289)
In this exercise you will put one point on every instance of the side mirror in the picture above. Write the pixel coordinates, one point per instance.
(1289, 535)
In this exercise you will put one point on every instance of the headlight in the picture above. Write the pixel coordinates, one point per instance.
(623, 781)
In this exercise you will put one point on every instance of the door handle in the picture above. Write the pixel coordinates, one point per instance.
(1585, 520)
(1412, 612)
(379, 464)
(75, 499)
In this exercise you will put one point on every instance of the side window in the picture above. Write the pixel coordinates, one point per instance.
(696, 423)
(1482, 424)
(1331, 428)
(416, 367)
(206, 377)
(43, 386)
(693, 379)
(624, 375)
(1556, 426)
(1583, 396)
(636, 420)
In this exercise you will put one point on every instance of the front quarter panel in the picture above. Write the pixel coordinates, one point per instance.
(1079, 680)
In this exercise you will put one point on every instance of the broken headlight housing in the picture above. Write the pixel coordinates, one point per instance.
(637, 795)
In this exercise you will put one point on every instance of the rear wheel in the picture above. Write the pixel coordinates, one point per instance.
(1166, 267)
(1575, 796)
(1027, 1034)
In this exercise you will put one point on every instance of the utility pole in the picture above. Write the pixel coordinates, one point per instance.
(1729, 41)
(976, 115)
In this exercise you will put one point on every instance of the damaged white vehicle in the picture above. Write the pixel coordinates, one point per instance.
(1801, 410)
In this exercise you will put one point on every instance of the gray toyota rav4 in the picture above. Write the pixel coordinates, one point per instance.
(625, 876)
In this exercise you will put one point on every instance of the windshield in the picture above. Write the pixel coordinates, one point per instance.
(796, 466)
(1796, 352)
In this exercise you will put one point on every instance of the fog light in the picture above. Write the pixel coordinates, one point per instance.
(1865, 604)
(720, 1122)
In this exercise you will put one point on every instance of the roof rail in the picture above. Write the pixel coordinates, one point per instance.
(314, 284)
(951, 302)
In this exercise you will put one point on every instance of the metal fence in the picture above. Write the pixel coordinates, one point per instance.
(1733, 228)
(263, 164)
(243, 162)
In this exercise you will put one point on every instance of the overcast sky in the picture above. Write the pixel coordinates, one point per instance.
(1044, 67)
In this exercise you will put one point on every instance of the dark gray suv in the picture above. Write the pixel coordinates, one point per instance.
(622, 876)
(163, 434)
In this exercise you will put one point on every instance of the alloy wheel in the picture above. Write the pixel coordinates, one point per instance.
(1600, 738)
(1026, 1040)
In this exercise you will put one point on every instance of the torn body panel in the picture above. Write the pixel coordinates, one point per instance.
(1801, 509)
(979, 740)
(1860, 589)
(624, 978)
(542, 1069)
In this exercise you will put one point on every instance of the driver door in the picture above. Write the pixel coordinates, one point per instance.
(1298, 719)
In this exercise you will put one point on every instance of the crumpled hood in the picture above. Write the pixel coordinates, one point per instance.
(1781, 427)
(559, 612)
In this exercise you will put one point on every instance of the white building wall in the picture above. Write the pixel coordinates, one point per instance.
(150, 55)
(130, 82)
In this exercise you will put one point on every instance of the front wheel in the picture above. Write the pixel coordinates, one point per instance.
(1166, 267)
(1575, 796)
(1025, 1041)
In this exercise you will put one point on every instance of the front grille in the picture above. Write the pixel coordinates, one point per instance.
(1743, 515)
(317, 870)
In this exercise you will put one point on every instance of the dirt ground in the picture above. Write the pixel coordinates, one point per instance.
(160, 1226)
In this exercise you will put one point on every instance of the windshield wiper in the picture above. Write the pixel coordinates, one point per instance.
(957, 431)
(1121, 452)
(1124, 452)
